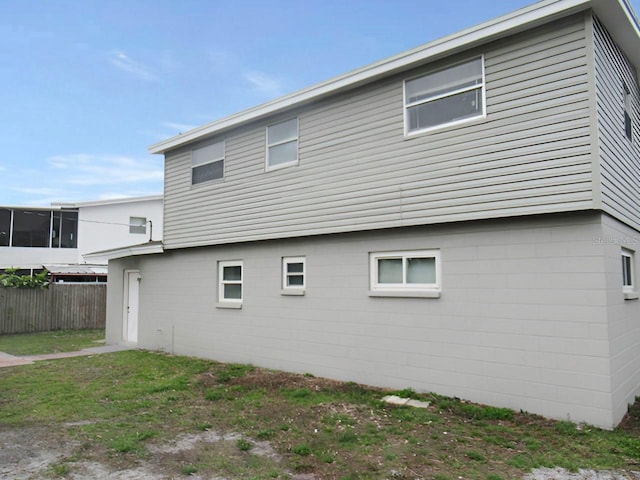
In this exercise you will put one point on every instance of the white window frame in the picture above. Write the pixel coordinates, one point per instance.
(404, 289)
(628, 289)
(407, 106)
(293, 289)
(628, 112)
(229, 302)
(139, 228)
(213, 160)
(268, 166)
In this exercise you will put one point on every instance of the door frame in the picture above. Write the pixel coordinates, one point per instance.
(125, 306)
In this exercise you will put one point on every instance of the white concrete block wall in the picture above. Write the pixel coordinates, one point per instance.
(521, 322)
(623, 315)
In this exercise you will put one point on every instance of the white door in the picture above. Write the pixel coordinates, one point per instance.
(131, 290)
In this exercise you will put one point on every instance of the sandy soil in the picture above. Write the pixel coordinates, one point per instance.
(32, 453)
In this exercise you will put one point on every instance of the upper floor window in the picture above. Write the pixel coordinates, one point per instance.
(38, 228)
(5, 227)
(137, 225)
(445, 96)
(282, 144)
(64, 233)
(207, 163)
(628, 123)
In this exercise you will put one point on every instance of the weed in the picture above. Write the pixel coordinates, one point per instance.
(493, 476)
(265, 434)
(476, 456)
(189, 470)
(243, 445)
(302, 450)
(60, 469)
(231, 371)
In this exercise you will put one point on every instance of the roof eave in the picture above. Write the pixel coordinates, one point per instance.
(520, 20)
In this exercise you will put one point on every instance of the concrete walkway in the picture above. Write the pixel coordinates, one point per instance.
(7, 360)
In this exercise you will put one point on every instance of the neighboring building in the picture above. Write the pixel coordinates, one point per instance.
(61, 237)
(462, 218)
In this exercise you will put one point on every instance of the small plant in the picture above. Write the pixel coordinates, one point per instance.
(302, 450)
(189, 470)
(243, 445)
(61, 469)
(476, 456)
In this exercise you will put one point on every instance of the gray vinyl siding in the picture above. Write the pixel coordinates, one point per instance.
(620, 158)
(357, 170)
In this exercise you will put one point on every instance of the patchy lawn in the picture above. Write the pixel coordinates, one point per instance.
(159, 416)
(50, 342)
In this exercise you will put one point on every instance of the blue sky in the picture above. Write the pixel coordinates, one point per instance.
(87, 85)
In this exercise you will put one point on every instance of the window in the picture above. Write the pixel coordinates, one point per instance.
(31, 228)
(628, 124)
(230, 278)
(64, 233)
(446, 96)
(414, 273)
(627, 271)
(137, 225)
(282, 144)
(293, 275)
(207, 163)
(5, 227)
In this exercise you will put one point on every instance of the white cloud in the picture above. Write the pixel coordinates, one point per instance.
(263, 83)
(85, 169)
(122, 61)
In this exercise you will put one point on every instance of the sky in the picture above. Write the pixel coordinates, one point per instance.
(86, 86)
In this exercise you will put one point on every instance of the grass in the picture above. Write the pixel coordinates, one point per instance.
(118, 407)
(50, 342)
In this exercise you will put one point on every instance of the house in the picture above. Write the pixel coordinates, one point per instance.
(62, 237)
(462, 218)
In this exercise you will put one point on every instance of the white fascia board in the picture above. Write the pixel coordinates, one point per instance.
(113, 201)
(130, 251)
(520, 20)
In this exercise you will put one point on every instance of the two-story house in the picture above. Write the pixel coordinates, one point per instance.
(63, 237)
(462, 218)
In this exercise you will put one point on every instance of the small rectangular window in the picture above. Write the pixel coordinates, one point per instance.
(415, 273)
(207, 163)
(627, 271)
(137, 225)
(230, 282)
(445, 96)
(628, 123)
(293, 275)
(282, 144)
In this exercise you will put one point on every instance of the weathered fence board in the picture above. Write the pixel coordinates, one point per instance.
(59, 307)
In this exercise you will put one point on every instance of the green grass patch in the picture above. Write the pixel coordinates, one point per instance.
(50, 342)
(115, 407)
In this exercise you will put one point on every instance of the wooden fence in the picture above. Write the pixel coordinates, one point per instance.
(59, 307)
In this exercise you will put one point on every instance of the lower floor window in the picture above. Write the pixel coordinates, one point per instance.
(627, 271)
(412, 271)
(230, 281)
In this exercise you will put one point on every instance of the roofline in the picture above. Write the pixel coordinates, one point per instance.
(128, 251)
(113, 201)
(525, 18)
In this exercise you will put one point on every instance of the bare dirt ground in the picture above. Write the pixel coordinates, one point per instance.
(34, 454)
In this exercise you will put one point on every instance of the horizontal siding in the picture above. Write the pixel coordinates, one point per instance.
(357, 170)
(620, 158)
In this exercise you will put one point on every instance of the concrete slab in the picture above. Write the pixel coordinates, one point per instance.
(7, 360)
